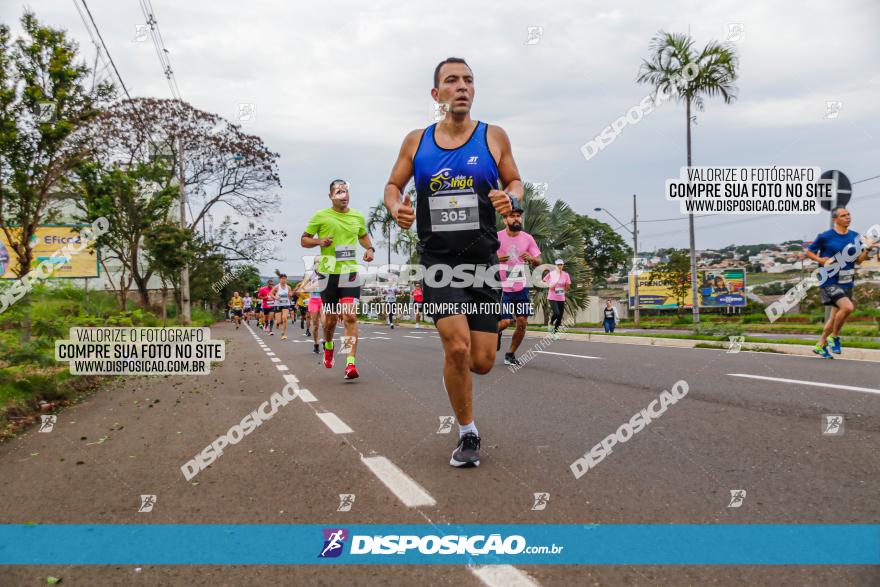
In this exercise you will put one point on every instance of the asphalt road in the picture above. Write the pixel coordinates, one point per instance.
(750, 421)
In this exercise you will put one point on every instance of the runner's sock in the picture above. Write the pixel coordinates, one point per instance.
(328, 345)
(462, 430)
(349, 360)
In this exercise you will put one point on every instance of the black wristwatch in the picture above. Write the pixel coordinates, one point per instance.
(514, 203)
(371, 249)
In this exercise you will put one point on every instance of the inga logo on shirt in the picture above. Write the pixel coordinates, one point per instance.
(443, 181)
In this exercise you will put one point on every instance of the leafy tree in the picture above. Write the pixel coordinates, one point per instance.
(674, 274)
(168, 248)
(676, 67)
(226, 172)
(135, 200)
(605, 251)
(44, 100)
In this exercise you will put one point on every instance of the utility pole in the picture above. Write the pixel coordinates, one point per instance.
(185, 313)
(635, 234)
(636, 251)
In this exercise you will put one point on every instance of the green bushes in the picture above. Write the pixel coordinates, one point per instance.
(29, 328)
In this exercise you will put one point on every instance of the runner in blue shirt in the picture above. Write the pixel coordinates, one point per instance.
(838, 250)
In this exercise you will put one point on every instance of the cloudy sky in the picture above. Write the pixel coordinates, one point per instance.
(336, 85)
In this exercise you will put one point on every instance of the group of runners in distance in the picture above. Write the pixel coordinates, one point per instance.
(464, 174)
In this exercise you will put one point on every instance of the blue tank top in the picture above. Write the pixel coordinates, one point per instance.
(454, 216)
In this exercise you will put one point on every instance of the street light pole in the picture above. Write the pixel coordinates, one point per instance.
(636, 251)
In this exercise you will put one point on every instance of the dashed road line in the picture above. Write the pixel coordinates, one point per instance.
(567, 355)
(402, 485)
(812, 383)
(503, 576)
(333, 422)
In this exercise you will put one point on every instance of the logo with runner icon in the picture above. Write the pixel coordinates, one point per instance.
(446, 423)
(737, 497)
(147, 503)
(346, 500)
(832, 424)
(443, 181)
(334, 542)
(47, 423)
(541, 501)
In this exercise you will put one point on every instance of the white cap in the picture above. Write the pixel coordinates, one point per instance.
(559, 262)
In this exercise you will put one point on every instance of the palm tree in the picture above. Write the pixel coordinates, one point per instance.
(406, 244)
(676, 67)
(557, 235)
(380, 217)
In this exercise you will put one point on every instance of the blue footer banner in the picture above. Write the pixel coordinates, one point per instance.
(270, 544)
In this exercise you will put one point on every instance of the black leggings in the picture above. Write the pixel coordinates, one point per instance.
(557, 307)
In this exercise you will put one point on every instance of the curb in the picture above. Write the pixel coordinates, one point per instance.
(871, 355)
(787, 349)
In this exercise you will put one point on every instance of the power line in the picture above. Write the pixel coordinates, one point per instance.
(161, 52)
(101, 39)
(866, 179)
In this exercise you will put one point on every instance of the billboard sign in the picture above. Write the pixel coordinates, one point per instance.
(47, 244)
(717, 288)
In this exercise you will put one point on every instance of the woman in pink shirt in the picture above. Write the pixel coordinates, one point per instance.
(559, 282)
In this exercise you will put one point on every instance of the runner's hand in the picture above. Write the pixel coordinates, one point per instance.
(528, 258)
(500, 202)
(823, 261)
(503, 258)
(404, 213)
(368, 255)
(326, 241)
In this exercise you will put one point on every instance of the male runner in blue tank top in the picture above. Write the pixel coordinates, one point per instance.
(457, 164)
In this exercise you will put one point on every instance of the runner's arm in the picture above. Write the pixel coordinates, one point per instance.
(508, 172)
(310, 242)
(533, 253)
(401, 173)
(813, 250)
(866, 252)
(366, 242)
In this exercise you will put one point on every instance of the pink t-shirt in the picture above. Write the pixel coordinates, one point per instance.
(557, 280)
(514, 247)
(263, 295)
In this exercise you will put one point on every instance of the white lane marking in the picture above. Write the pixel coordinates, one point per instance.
(282, 367)
(415, 337)
(270, 354)
(275, 360)
(306, 396)
(333, 422)
(381, 338)
(813, 383)
(503, 576)
(291, 378)
(402, 485)
(567, 355)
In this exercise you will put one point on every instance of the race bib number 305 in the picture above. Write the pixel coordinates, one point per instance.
(450, 213)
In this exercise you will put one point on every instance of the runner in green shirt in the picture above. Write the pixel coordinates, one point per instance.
(338, 230)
